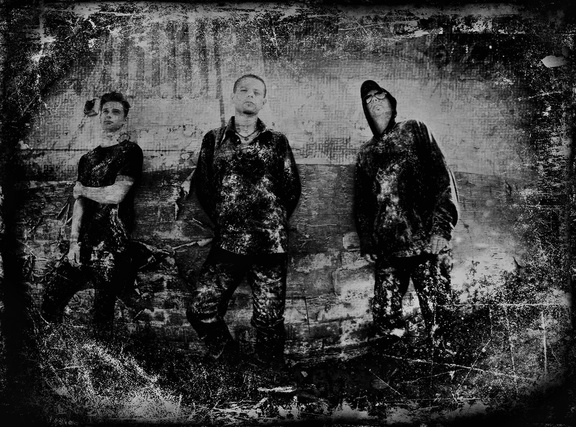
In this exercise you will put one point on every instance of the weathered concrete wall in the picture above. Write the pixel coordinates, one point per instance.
(177, 65)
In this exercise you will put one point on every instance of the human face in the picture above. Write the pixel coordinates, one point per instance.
(379, 107)
(249, 97)
(112, 116)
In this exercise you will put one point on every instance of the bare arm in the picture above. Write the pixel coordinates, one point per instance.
(109, 195)
(186, 186)
(74, 250)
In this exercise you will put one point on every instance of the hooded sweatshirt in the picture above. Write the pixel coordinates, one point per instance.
(404, 191)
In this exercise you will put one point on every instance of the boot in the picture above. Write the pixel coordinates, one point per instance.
(219, 343)
(269, 347)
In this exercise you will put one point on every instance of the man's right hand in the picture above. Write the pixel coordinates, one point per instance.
(74, 254)
(370, 257)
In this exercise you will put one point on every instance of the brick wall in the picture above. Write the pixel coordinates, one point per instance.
(177, 65)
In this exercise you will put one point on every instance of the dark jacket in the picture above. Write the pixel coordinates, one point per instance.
(248, 191)
(404, 191)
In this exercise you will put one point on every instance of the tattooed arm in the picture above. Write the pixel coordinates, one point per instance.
(74, 250)
(109, 195)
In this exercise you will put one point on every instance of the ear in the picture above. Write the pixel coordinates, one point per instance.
(264, 101)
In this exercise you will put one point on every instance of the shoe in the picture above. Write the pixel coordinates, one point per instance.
(219, 343)
(269, 347)
(228, 354)
(397, 328)
(272, 363)
(388, 343)
(272, 372)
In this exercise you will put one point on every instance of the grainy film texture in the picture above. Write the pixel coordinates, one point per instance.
(476, 76)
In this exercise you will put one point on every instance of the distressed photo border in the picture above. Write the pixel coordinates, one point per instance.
(36, 60)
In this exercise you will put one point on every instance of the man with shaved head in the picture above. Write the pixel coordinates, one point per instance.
(247, 181)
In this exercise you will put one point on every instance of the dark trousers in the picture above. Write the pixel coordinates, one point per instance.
(110, 274)
(430, 275)
(219, 277)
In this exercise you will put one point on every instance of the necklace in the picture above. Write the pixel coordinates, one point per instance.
(247, 137)
(113, 139)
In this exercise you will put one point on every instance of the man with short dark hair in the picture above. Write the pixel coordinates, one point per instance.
(405, 209)
(102, 220)
(247, 181)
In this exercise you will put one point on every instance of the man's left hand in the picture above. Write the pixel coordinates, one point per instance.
(437, 243)
(78, 190)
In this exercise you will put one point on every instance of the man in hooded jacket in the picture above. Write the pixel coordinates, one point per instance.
(405, 211)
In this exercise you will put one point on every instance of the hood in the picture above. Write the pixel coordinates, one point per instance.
(366, 87)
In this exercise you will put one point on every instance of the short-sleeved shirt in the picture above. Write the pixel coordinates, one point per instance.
(109, 225)
(248, 190)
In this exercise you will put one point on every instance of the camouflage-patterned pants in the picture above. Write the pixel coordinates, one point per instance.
(430, 276)
(109, 273)
(219, 277)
